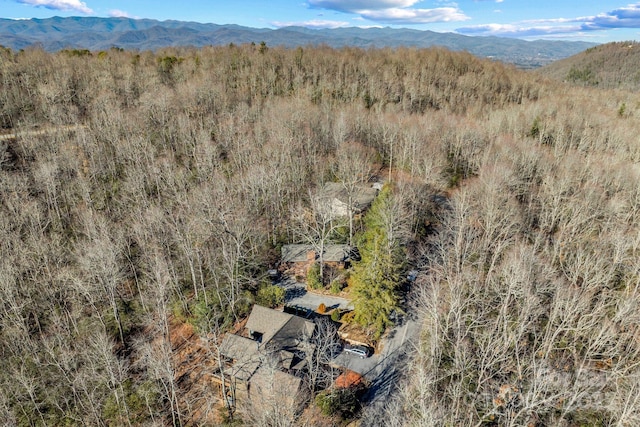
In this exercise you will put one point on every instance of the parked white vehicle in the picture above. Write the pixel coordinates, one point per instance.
(358, 350)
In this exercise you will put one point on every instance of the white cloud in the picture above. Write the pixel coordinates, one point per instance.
(415, 16)
(513, 30)
(392, 11)
(116, 13)
(624, 17)
(314, 23)
(74, 5)
(354, 6)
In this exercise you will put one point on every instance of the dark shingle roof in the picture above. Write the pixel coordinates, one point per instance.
(266, 321)
(337, 253)
(280, 331)
(267, 382)
(244, 352)
(295, 253)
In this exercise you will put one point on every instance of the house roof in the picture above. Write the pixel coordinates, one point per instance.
(237, 347)
(287, 359)
(244, 352)
(362, 197)
(267, 384)
(332, 253)
(337, 253)
(279, 330)
(281, 335)
(266, 321)
(295, 253)
(291, 333)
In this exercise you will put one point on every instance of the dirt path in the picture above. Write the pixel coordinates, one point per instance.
(39, 132)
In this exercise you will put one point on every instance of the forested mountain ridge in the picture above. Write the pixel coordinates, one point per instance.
(93, 33)
(515, 198)
(608, 66)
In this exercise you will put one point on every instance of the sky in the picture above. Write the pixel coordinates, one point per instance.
(598, 21)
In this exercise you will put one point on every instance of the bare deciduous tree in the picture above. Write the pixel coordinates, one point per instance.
(353, 168)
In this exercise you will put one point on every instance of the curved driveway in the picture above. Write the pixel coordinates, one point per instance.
(297, 295)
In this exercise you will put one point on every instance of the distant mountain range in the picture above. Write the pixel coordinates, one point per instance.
(93, 33)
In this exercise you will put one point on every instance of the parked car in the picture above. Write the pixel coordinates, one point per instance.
(358, 350)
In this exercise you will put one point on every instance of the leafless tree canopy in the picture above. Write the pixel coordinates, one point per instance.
(141, 189)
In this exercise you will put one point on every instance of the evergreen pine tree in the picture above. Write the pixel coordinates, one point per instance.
(375, 278)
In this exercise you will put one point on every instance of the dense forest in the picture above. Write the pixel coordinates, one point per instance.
(138, 189)
(607, 66)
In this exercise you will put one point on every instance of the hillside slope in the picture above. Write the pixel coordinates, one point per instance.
(515, 198)
(609, 66)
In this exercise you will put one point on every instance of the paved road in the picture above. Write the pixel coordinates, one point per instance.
(377, 369)
(397, 347)
(297, 295)
(357, 364)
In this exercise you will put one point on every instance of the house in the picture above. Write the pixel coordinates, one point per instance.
(272, 389)
(272, 342)
(298, 258)
(275, 330)
(335, 199)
